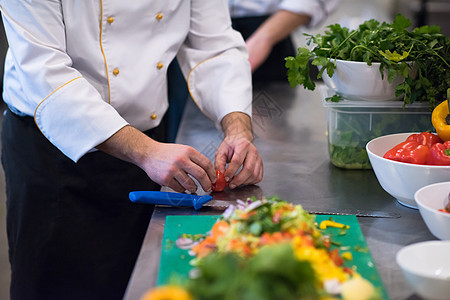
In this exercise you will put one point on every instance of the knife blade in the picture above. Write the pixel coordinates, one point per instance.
(219, 203)
(356, 212)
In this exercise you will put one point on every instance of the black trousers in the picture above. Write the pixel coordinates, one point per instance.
(72, 231)
(273, 69)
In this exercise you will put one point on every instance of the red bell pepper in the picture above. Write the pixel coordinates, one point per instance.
(409, 152)
(425, 138)
(439, 154)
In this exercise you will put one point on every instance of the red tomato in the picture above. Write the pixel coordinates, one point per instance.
(221, 183)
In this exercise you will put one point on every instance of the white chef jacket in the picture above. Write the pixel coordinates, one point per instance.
(317, 9)
(85, 69)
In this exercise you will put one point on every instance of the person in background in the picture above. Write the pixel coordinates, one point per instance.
(3, 47)
(86, 90)
(266, 26)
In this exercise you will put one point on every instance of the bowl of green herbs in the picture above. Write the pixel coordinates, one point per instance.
(414, 64)
(358, 81)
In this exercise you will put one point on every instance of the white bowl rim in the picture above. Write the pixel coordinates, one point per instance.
(355, 62)
(377, 63)
(399, 162)
(420, 204)
(419, 244)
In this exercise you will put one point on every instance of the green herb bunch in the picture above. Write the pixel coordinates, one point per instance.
(392, 45)
(273, 273)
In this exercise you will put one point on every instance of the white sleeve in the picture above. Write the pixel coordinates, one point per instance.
(215, 60)
(317, 9)
(68, 110)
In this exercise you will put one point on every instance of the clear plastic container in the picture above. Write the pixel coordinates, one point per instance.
(352, 124)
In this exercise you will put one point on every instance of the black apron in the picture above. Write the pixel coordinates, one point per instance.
(72, 231)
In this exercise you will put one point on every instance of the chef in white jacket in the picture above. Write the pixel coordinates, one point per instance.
(266, 25)
(85, 85)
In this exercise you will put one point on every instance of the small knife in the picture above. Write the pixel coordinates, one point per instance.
(175, 199)
(196, 201)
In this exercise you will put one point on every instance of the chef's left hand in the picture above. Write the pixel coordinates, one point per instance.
(238, 150)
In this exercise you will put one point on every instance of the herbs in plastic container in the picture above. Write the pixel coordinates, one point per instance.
(350, 128)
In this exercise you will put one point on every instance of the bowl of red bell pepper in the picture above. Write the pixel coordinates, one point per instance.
(405, 162)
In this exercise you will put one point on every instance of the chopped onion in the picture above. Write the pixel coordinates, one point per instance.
(229, 211)
(241, 205)
(254, 205)
(194, 273)
(332, 286)
(185, 243)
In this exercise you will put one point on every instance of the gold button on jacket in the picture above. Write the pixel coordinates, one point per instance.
(159, 17)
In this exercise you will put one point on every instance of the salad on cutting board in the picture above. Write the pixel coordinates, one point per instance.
(269, 249)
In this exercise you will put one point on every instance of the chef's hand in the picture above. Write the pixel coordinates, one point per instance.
(166, 164)
(238, 150)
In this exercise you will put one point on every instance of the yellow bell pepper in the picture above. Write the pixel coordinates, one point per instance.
(438, 118)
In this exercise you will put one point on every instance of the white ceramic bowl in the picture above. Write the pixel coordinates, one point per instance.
(359, 81)
(430, 199)
(426, 268)
(399, 179)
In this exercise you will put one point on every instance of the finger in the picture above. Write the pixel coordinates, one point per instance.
(247, 173)
(236, 162)
(186, 182)
(221, 159)
(200, 175)
(259, 169)
(254, 178)
(205, 164)
(261, 172)
(176, 186)
(258, 173)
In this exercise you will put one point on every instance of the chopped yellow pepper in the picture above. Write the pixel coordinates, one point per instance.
(438, 118)
(347, 255)
(328, 223)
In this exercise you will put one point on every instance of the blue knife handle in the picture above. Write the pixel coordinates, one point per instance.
(169, 198)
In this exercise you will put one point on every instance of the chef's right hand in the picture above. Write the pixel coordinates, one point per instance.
(171, 164)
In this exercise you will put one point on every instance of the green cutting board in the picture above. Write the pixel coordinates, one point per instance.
(175, 262)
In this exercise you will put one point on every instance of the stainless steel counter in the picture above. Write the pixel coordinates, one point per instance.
(290, 127)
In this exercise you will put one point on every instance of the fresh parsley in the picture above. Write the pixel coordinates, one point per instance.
(392, 45)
